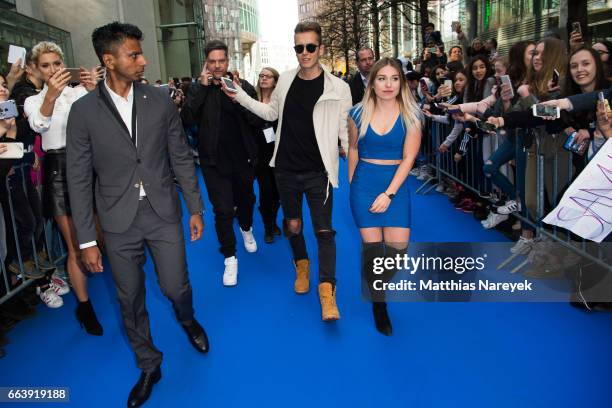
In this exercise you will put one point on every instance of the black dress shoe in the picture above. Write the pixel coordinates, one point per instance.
(197, 336)
(381, 318)
(87, 318)
(142, 390)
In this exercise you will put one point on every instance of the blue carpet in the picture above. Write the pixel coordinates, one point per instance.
(270, 348)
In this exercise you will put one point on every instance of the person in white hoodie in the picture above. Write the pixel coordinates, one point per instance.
(311, 107)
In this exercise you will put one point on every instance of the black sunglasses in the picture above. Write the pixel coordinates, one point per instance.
(309, 47)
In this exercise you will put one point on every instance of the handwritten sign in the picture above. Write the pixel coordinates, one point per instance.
(586, 206)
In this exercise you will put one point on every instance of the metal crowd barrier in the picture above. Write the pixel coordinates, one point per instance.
(471, 176)
(53, 241)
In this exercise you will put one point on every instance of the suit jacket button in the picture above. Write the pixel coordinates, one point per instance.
(138, 161)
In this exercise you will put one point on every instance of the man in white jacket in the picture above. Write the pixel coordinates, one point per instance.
(311, 107)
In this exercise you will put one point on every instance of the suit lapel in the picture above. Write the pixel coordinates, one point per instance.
(140, 101)
(105, 97)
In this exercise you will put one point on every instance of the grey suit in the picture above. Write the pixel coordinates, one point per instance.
(99, 141)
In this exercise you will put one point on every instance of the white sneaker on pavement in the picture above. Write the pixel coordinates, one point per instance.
(50, 298)
(522, 246)
(510, 207)
(494, 219)
(59, 285)
(249, 240)
(230, 275)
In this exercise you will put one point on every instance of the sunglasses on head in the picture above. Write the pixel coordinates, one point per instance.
(309, 47)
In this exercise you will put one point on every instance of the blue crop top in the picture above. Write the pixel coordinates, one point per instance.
(389, 146)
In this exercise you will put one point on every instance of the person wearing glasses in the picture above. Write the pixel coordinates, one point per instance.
(269, 202)
(311, 107)
(227, 153)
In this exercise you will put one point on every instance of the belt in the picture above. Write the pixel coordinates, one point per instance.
(56, 151)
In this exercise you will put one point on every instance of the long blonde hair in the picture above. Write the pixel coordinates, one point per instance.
(409, 110)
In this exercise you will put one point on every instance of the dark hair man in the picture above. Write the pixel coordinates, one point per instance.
(311, 106)
(365, 60)
(129, 134)
(227, 154)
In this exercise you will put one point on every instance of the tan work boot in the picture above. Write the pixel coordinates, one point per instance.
(327, 295)
(302, 276)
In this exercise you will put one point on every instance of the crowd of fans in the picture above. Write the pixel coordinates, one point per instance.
(481, 142)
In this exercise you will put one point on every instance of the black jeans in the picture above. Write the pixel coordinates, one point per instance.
(223, 191)
(28, 214)
(268, 194)
(319, 195)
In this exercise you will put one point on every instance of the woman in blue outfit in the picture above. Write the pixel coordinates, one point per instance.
(384, 139)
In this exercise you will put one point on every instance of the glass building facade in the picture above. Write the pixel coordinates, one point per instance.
(17, 29)
(180, 37)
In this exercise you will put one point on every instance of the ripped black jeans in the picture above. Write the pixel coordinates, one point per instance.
(315, 185)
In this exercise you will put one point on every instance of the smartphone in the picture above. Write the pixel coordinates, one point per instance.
(485, 126)
(8, 109)
(603, 99)
(578, 148)
(555, 77)
(454, 109)
(75, 74)
(454, 26)
(433, 50)
(576, 27)
(543, 111)
(15, 151)
(505, 80)
(449, 83)
(230, 84)
(423, 84)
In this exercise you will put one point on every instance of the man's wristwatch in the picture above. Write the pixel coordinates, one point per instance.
(390, 195)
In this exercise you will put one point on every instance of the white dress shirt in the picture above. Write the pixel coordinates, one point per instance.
(124, 107)
(364, 79)
(52, 129)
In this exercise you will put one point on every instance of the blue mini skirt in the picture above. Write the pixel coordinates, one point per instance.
(368, 182)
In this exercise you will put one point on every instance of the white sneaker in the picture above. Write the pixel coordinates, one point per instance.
(510, 207)
(522, 246)
(423, 173)
(494, 219)
(230, 275)
(59, 285)
(50, 298)
(249, 240)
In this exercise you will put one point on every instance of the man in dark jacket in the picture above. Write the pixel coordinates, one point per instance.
(365, 61)
(227, 153)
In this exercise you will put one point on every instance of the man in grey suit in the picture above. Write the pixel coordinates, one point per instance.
(129, 134)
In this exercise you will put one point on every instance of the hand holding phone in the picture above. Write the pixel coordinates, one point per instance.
(576, 27)
(229, 85)
(205, 76)
(506, 86)
(546, 111)
(13, 150)
(555, 78)
(8, 110)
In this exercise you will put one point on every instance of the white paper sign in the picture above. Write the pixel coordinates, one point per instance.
(586, 206)
(269, 134)
(15, 53)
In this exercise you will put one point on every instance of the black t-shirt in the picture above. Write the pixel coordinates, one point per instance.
(298, 149)
(231, 153)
